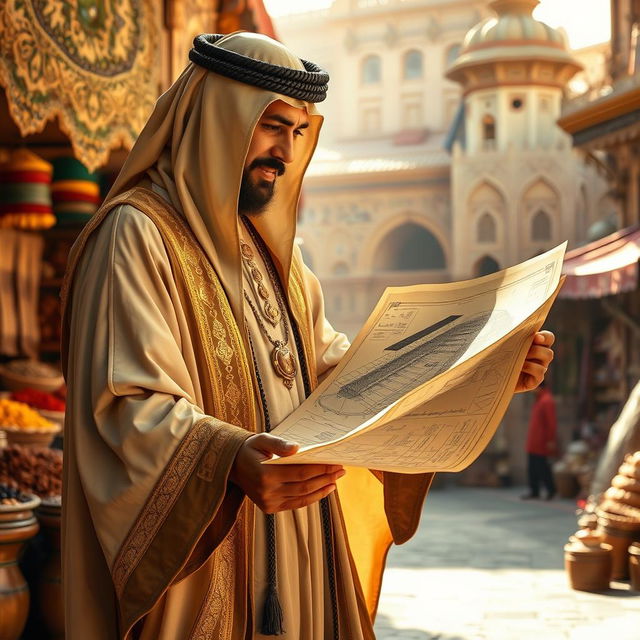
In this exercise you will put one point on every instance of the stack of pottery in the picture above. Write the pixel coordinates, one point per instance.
(50, 593)
(588, 561)
(17, 525)
(619, 514)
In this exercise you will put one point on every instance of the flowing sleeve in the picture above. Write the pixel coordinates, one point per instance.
(152, 466)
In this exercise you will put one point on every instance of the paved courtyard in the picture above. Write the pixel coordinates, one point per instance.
(485, 565)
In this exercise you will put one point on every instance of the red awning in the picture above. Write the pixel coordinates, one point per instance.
(604, 267)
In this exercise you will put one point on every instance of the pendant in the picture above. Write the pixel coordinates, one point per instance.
(283, 363)
(272, 313)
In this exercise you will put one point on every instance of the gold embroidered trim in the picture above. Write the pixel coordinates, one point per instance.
(163, 496)
(215, 619)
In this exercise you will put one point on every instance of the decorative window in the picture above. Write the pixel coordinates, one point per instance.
(541, 227)
(371, 70)
(452, 54)
(412, 65)
(486, 228)
(488, 128)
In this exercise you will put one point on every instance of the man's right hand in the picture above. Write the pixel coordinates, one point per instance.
(280, 487)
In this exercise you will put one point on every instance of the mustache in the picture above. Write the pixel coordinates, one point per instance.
(272, 163)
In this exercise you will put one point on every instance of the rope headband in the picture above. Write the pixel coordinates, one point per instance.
(309, 85)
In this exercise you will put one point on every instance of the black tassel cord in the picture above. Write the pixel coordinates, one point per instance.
(272, 623)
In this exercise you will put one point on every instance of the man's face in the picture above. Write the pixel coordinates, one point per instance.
(272, 147)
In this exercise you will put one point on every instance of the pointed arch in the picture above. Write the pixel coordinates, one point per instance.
(409, 247)
(375, 242)
(486, 231)
(541, 226)
(541, 203)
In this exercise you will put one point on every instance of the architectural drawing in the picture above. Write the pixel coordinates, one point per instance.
(412, 361)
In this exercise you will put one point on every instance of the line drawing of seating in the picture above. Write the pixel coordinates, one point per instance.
(407, 364)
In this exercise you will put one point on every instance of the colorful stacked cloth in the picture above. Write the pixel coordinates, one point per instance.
(75, 191)
(25, 191)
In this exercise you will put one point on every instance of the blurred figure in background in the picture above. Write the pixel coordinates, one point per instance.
(541, 443)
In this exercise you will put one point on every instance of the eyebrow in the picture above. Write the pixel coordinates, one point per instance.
(282, 120)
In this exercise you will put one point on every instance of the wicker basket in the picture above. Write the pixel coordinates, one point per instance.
(15, 382)
(30, 437)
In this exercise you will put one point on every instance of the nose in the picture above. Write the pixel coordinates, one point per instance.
(283, 150)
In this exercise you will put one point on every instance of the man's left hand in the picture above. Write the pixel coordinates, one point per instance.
(538, 360)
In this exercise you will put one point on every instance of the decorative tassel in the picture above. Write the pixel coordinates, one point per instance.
(272, 614)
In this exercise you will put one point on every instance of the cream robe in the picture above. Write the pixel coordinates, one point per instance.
(136, 365)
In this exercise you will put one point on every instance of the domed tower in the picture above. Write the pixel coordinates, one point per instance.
(514, 174)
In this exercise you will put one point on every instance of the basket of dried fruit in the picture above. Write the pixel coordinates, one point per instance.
(24, 425)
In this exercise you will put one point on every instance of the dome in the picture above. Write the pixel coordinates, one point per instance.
(513, 34)
(513, 25)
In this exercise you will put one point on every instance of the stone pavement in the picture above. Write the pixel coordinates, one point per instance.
(485, 565)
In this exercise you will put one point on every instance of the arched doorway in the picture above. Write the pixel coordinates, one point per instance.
(486, 265)
(409, 247)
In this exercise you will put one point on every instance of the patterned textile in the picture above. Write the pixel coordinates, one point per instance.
(25, 192)
(94, 65)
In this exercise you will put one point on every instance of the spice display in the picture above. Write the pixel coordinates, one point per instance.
(38, 399)
(12, 496)
(20, 415)
(32, 470)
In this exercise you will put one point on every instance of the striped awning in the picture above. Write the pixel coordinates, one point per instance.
(605, 267)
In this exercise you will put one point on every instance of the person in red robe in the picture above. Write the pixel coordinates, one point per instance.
(541, 444)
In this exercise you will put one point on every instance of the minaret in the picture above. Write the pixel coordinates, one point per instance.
(513, 70)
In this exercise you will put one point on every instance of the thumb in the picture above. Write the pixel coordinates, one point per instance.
(266, 443)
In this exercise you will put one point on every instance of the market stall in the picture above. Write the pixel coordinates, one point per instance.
(597, 359)
(77, 82)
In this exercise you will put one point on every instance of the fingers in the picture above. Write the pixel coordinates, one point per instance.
(532, 374)
(305, 501)
(543, 355)
(305, 487)
(272, 496)
(273, 445)
(545, 338)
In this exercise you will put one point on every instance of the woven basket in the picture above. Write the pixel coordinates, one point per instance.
(30, 437)
(16, 382)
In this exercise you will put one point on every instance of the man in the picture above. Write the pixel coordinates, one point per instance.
(190, 327)
(541, 443)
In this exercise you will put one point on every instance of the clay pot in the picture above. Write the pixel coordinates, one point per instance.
(634, 566)
(17, 525)
(588, 562)
(619, 539)
(50, 597)
(566, 484)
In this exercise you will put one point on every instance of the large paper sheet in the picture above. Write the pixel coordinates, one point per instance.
(431, 373)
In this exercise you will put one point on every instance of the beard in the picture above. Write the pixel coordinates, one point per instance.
(256, 193)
